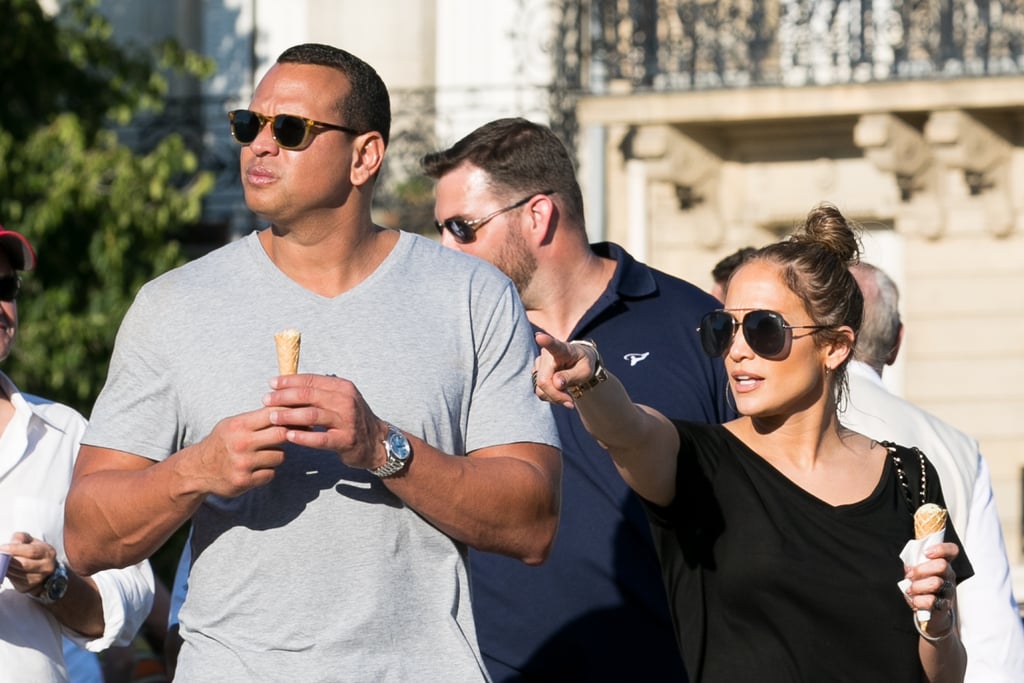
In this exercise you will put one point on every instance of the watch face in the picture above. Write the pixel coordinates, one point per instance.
(399, 445)
(58, 587)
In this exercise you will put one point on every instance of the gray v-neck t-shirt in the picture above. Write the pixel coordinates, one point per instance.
(324, 574)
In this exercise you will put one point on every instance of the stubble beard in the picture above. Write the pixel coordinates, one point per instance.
(516, 260)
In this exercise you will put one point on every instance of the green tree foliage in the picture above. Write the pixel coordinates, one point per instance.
(102, 217)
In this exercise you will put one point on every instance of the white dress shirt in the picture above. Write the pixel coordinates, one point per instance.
(990, 624)
(37, 456)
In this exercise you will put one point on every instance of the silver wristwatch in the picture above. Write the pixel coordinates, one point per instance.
(399, 453)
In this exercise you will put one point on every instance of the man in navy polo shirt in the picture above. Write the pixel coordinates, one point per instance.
(596, 610)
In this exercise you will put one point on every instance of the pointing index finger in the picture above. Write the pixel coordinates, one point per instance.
(560, 351)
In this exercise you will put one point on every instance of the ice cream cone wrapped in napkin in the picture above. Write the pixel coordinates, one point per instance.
(929, 530)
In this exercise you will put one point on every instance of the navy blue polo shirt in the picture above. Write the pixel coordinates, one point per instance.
(597, 609)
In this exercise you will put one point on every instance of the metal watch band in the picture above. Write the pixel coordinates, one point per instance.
(395, 462)
(577, 390)
(391, 467)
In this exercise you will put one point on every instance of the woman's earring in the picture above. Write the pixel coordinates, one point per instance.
(730, 400)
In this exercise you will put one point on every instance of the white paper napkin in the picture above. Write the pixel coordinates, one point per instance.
(913, 555)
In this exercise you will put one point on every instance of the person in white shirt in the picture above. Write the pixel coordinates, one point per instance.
(991, 627)
(41, 597)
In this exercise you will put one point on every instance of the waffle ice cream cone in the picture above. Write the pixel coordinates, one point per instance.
(928, 519)
(288, 342)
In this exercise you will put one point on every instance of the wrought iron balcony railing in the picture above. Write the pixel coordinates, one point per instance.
(672, 45)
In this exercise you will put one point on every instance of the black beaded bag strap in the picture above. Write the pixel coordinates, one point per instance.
(905, 480)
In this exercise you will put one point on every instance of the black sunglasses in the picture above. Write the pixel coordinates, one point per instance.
(767, 332)
(464, 231)
(290, 131)
(10, 285)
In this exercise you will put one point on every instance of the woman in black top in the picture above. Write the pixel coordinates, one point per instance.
(779, 533)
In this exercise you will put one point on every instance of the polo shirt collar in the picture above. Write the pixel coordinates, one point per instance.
(631, 280)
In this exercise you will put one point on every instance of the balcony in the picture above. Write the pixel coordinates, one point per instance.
(667, 46)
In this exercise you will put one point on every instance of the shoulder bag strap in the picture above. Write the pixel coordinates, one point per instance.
(905, 480)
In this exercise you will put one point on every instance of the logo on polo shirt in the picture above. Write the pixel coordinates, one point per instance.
(635, 358)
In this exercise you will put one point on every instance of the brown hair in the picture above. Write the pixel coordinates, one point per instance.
(815, 263)
(519, 157)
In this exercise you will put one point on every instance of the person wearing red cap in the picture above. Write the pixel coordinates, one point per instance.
(41, 598)
(20, 255)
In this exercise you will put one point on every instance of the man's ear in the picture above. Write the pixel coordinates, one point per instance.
(896, 347)
(367, 157)
(543, 214)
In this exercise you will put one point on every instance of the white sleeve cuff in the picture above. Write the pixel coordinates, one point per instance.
(127, 596)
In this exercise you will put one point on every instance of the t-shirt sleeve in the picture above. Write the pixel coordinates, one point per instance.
(135, 412)
(504, 407)
(697, 461)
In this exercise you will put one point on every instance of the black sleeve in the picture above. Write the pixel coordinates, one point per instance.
(933, 494)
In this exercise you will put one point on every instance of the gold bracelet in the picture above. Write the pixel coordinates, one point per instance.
(599, 375)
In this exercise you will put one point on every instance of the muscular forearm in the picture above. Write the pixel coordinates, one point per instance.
(504, 499)
(118, 517)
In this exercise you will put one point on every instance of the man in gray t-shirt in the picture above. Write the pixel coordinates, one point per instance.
(331, 509)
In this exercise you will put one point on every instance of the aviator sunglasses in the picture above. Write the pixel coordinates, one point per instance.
(464, 231)
(10, 285)
(290, 131)
(767, 332)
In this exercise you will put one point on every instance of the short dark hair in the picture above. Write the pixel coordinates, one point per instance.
(518, 156)
(368, 105)
(723, 270)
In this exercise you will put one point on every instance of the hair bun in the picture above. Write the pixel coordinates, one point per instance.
(828, 228)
